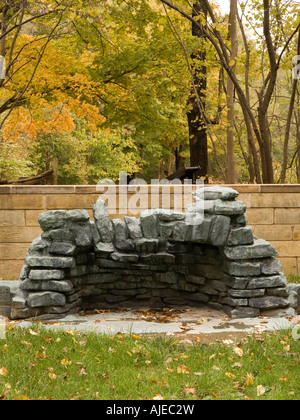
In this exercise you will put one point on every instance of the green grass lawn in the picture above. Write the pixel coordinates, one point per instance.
(38, 364)
(294, 279)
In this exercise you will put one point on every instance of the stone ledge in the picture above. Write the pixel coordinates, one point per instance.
(92, 189)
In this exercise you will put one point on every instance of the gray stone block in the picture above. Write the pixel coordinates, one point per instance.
(218, 285)
(294, 291)
(24, 272)
(133, 258)
(20, 313)
(169, 215)
(105, 264)
(166, 293)
(241, 236)
(80, 270)
(182, 285)
(271, 266)
(267, 282)
(247, 293)
(105, 248)
(102, 278)
(240, 313)
(39, 300)
(95, 233)
(219, 230)
(280, 292)
(5, 311)
(268, 302)
(200, 232)
(260, 249)
(160, 259)
(52, 219)
(294, 288)
(46, 275)
(47, 285)
(243, 269)
(166, 229)
(61, 235)
(37, 247)
(77, 216)
(120, 230)
(180, 231)
(18, 302)
(146, 246)
(134, 227)
(238, 283)
(234, 302)
(167, 278)
(116, 299)
(82, 236)
(50, 262)
(5, 295)
(230, 208)
(62, 248)
(149, 224)
(124, 285)
(208, 271)
(127, 245)
(240, 221)
(208, 290)
(102, 221)
(128, 292)
(197, 297)
(216, 193)
(201, 207)
(196, 280)
(293, 299)
(278, 313)
(175, 301)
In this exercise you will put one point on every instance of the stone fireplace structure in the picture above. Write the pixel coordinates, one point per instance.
(207, 256)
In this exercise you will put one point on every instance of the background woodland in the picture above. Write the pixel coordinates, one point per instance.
(149, 86)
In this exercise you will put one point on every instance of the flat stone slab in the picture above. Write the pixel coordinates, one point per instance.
(190, 323)
(50, 262)
(217, 193)
(260, 249)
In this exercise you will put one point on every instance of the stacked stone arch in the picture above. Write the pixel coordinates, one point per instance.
(207, 256)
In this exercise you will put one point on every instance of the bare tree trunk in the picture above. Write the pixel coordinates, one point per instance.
(196, 119)
(265, 97)
(161, 169)
(254, 168)
(230, 93)
(179, 159)
(171, 165)
(289, 123)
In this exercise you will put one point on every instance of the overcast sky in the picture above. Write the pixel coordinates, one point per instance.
(224, 4)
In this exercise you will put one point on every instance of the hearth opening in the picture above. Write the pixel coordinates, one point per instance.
(165, 274)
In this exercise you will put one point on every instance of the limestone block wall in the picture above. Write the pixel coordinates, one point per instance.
(273, 212)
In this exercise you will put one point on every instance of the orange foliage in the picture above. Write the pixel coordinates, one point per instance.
(61, 91)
